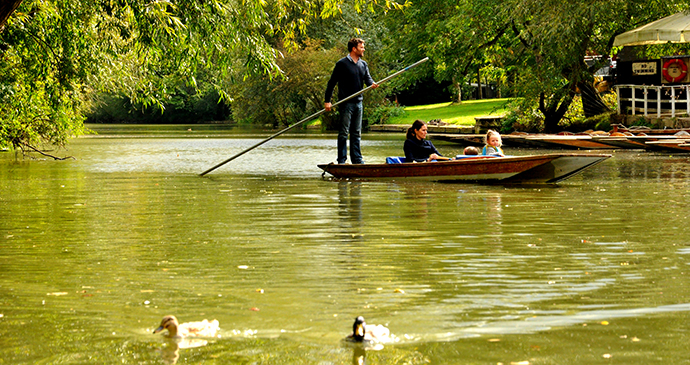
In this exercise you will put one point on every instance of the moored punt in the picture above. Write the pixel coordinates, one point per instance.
(549, 168)
(672, 145)
(571, 141)
(625, 142)
(582, 142)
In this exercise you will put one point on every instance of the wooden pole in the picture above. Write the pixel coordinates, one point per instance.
(311, 117)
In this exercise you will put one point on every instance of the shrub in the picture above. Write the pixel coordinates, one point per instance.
(384, 112)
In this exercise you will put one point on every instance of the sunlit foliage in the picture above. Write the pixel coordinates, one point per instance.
(56, 54)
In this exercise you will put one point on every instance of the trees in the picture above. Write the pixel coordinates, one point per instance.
(56, 53)
(541, 45)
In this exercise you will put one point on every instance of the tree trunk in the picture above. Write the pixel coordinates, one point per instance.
(592, 104)
(7, 7)
(479, 84)
(458, 89)
(554, 110)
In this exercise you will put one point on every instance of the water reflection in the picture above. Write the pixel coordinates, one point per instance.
(359, 355)
(170, 352)
(494, 219)
(89, 247)
(350, 206)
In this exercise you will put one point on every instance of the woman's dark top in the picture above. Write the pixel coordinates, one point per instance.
(416, 150)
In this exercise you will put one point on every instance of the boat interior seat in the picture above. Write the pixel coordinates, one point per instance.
(461, 157)
(395, 159)
(401, 159)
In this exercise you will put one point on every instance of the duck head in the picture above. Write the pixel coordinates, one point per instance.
(168, 323)
(358, 329)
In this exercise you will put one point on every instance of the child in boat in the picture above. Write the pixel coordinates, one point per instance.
(493, 144)
(470, 150)
(417, 148)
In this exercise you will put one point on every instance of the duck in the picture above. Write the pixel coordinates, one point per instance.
(372, 334)
(191, 329)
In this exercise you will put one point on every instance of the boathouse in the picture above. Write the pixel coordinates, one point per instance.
(655, 88)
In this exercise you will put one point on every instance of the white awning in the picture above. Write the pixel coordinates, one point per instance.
(673, 29)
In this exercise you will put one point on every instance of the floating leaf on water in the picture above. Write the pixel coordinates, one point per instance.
(519, 362)
(399, 291)
(606, 356)
(254, 309)
(604, 323)
(635, 339)
(57, 294)
(243, 267)
(260, 291)
(494, 340)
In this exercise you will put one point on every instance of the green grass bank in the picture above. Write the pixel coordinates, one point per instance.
(453, 113)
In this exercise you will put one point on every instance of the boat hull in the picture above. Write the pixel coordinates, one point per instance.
(549, 168)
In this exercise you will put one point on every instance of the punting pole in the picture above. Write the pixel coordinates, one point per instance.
(311, 117)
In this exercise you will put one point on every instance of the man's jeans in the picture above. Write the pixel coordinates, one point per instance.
(350, 122)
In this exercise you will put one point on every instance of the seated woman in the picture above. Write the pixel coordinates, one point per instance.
(417, 148)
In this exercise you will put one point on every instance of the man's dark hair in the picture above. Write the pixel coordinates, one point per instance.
(354, 42)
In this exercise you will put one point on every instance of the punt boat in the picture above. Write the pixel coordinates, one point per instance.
(538, 169)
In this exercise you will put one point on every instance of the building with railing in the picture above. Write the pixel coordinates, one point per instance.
(656, 88)
(655, 101)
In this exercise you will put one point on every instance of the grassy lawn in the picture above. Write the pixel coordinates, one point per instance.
(462, 114)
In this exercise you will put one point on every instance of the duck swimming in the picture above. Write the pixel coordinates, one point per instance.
(191, 329)
(363, 333)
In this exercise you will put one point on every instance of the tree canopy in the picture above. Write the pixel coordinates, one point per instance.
(539, 45)
(58, 56)
(58, 53)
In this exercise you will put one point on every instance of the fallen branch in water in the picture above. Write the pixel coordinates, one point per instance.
(47, 154)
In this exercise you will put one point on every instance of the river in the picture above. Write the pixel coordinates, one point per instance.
(96, 250)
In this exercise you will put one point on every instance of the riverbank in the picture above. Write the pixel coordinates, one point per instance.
(461, 114)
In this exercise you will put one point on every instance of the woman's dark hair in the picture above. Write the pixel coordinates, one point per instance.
(417, 125)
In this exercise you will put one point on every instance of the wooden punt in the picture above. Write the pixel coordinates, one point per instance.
(584, 142)
(539, 169)
(672, 145)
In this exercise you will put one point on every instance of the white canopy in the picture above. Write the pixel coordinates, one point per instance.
(674, 29)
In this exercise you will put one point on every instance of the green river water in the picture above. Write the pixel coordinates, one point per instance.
(95, 251)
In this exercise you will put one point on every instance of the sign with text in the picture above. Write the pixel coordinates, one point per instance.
(644, 68)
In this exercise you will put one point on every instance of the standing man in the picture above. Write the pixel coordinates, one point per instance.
(350, 73)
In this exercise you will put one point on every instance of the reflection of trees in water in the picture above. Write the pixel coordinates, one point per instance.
(649, 166)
